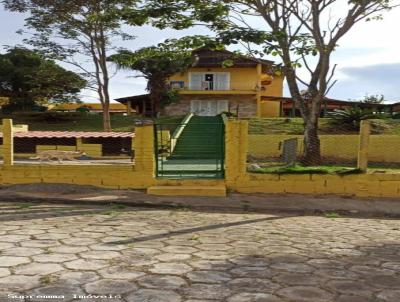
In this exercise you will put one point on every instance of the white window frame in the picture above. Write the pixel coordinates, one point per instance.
(203, 73)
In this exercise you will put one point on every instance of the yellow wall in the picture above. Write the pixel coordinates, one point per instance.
(141, 174)
(275, 88)
(382, 148)
(18, 128)
(270, 109)
(241, 79)
(360, 185)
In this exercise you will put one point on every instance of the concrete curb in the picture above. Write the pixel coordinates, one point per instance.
(262, 203)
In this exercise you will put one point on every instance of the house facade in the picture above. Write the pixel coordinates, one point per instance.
(208, 89)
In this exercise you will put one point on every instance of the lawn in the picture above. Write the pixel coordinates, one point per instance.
(81, 122)
(298, 169)
(295, 126)
(93, 122)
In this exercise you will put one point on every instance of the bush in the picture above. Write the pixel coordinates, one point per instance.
(351, 118)
(50, 117)
(396, 116)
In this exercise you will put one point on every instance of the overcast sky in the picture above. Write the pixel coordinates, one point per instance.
(368, 57)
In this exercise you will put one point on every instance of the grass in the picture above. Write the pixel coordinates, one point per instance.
(298, 169)
(94, 122)
(118, 207)
(294, 126)
(48, 279)
(25, 205)
(332, 215)
(84, 122)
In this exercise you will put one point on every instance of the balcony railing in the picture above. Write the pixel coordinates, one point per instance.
(213, 87)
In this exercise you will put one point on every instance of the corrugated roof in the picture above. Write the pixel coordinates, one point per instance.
(71, 134)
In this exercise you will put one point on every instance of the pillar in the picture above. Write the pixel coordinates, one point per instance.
(8, 142)
(236, 140)
(365, 132)
(259, 84)
(129, 108)
(144, 148)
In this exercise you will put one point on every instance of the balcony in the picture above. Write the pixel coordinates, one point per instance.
(211, 88)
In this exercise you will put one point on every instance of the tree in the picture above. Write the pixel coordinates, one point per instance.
(302, 34)
(69, 30)
(28, 79)
(158, 63)
(300, 30)
(373, 99)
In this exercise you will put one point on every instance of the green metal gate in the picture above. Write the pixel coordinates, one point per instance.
(190, 150)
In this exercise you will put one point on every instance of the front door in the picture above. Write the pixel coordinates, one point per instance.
(208, 107)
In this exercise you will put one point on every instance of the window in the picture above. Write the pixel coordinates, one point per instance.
(209, 81)
(177, 84)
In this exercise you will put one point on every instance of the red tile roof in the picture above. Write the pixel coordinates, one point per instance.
(71, 134)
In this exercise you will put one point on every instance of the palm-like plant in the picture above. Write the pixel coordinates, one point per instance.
(352, 117)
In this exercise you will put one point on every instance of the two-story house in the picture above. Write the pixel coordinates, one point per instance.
(247, 87)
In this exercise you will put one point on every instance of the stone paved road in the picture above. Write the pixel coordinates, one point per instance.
(137, 254)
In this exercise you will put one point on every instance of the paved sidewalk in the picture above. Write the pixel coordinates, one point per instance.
(74, 194)
(173, 255)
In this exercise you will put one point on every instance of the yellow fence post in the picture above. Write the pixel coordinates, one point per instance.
(144, 148)
(365, 131)
(236, 140)
(8, 142)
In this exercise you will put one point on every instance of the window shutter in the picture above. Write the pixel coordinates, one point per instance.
(195, 81)
(222, 81)
(195, 106)
(223, 106)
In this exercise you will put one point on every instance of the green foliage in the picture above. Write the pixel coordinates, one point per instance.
(171, 96)
(78, 32)
(83, 109)
(49, 117)
(373, 99)
(298, 169)
(179, 14)
(351, 117)
(158, 63)
(396, 116)
(29, 80)
(332, 215)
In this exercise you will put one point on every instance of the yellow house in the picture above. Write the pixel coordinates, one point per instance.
(207, 88)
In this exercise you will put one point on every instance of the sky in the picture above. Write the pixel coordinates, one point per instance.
(368, 58)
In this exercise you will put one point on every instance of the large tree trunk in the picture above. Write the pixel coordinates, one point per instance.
(106, 117)
(312, 144)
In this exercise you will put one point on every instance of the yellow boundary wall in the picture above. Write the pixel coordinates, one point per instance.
(382, 148)
(141, 174)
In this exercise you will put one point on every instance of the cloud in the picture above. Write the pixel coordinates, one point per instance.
(355, 82)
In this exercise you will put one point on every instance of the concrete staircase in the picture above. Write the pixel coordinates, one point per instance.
(195, 190)
(201, 139)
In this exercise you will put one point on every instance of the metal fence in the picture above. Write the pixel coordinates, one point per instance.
(338, 149)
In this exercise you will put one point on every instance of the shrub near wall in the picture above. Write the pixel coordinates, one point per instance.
(382, 148)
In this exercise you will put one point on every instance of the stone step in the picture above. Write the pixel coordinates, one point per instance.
(218, 190)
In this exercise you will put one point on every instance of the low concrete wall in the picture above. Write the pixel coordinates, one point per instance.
(141, 175)
(360, 185)
(127, 177)
(107, 176)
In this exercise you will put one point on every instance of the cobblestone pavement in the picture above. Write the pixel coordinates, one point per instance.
(138, 254)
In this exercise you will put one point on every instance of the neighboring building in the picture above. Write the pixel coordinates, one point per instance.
(206, 88)
(289, 109)
(395, 108)
(115, 108)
